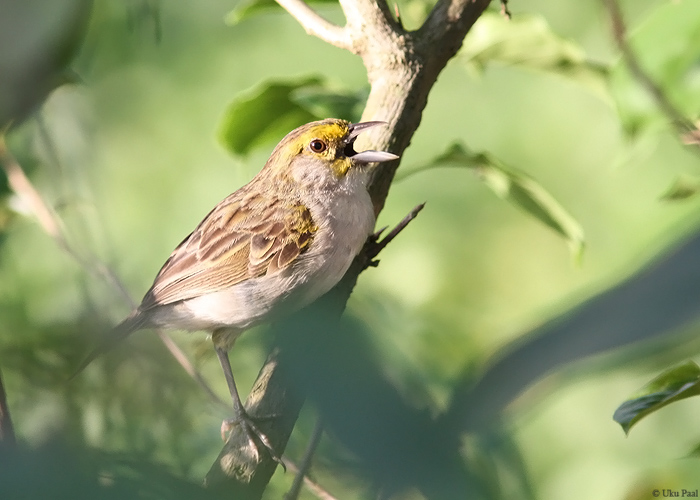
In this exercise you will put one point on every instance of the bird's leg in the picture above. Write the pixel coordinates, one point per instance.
(240, 415)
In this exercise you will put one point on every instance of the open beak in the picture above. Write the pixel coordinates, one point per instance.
(365, 156)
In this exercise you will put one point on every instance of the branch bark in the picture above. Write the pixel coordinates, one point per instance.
(315, 24)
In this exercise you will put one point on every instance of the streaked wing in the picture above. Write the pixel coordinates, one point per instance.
(243, 237)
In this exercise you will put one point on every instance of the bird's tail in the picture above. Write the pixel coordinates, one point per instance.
(135, 321)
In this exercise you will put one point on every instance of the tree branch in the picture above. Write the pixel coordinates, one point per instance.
(21, 185)
(619, 30)
(315, 24)
(402, 67)
(305, 465)
(370, 23)
(449, 17)
(312, 486)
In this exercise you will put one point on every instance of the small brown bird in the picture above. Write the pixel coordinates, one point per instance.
(270, 248)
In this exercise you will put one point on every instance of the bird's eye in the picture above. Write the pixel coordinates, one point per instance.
(317, 146)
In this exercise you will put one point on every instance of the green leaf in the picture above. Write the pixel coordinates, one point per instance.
(325, 103)
(528, 41)
(516, 187)
(248, 8)
(269, 111)
(677, 383)
(264, 113)
(683, 188)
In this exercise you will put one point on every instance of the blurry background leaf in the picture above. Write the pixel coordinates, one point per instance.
(265, 114)
(515, 187)
(61, 470)
(325, 103)
(675, 384)
(37, 42)
(526, 40)
(499, 462)
(145, 13)
(682, 188)
(320, 357)
(654, 312)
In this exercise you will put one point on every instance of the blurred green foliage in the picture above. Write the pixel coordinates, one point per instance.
(516, 187)
(128, 157)
(268, 112)
(37, 43)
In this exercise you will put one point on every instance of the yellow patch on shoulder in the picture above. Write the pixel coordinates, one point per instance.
(300, 222)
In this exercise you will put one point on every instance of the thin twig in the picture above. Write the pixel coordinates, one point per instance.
(397, 14)
(187, 365)
(315, 488)
(20, 184)
(620, 36)
(505, 12)
(47, 219)
(374, 247)
(314, 24)
(49, 222)
(7, 432)
(303, 469)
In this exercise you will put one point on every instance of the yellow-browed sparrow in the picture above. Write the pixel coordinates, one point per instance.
(270, 248)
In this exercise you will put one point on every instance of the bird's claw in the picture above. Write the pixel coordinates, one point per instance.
(251, 431)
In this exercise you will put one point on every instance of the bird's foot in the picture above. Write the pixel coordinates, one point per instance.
(252, 432)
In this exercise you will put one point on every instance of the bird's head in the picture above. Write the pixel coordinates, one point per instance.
(323, 150)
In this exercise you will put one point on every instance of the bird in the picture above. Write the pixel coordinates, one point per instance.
(268, 249)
